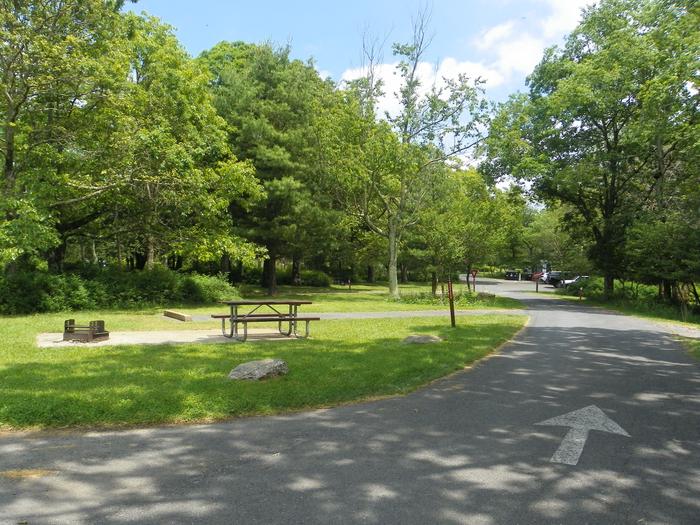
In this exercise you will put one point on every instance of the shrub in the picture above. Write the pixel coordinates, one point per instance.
(308, 278)
(28, 292)
(315, 278)
(460, 298)
(198, 288)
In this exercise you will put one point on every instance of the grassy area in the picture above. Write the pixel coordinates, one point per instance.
(140, 384)
(648, 310)
(693, 346)
(366, 298)
(634, 299)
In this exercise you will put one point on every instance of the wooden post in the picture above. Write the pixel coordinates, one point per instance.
(451, 296)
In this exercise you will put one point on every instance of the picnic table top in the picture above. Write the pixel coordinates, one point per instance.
(263, 302)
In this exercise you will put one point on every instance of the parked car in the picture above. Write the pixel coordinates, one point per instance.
(554, 278)
(578, 280)
(511, 275)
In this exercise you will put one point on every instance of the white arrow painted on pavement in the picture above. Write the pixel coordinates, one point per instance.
(581, 421)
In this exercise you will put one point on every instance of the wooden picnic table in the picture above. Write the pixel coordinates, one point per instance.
(236, 318)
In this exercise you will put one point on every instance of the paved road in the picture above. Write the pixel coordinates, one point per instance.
(465, 450)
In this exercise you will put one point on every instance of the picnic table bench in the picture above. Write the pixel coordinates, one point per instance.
(291, 317)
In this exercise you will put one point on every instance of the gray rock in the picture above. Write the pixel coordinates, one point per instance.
(420, 339)
(259, 369)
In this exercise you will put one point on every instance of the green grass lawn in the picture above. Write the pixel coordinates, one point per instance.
(693, 346)
(344, 361)
(655, 312)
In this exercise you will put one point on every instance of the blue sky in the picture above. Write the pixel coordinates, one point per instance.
(499, 40)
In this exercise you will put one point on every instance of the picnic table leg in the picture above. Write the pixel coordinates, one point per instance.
(295, 315)
(234, 321)
(282, 332)
(306, 332)
(245, 333)
(279, 325)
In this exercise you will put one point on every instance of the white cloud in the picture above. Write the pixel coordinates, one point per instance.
(520, 54)
(565, 16)
(429, 76)
(510, 50)
(495, 34)
(324, 73)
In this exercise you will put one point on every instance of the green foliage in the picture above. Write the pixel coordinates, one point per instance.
(24, 292)
(461, 300)
(634, 298)
(693, 346)
(206, 289)
(384, 172)
(608, 121)
(315, 278)
(268, 101)
(109, 132)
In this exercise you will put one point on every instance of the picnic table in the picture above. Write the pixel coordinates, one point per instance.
(274, 312)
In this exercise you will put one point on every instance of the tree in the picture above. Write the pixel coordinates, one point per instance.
(267, 99)
(110, 136)
(176, 174)
(464, 226)
(605, 120)
(388, 179)
(58, 61)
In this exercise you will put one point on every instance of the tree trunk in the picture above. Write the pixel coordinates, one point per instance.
(117, 240)
(404, 273)
(225, 263)
(370, 273)
(434, 282)
(393, 256)
(236, 274)
(150, 253)
(667, 290)
(608, 285)
(9, 168)
(56, 255)
(296, 270)
(270, 274)
(695, 293)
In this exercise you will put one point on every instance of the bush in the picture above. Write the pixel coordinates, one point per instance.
(592, 287)
(29, 292)
(198, 288)
(460, 299)
(315, 278)
(308, 278)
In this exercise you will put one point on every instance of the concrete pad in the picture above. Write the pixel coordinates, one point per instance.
(159, 337)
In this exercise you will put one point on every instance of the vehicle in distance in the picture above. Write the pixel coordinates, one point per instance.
(579, 279)
(554, 278)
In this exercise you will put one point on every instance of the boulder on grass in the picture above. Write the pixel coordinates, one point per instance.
(257, 370)
(421, 339)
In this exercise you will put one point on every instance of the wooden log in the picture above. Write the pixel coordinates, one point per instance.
(178, 315)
